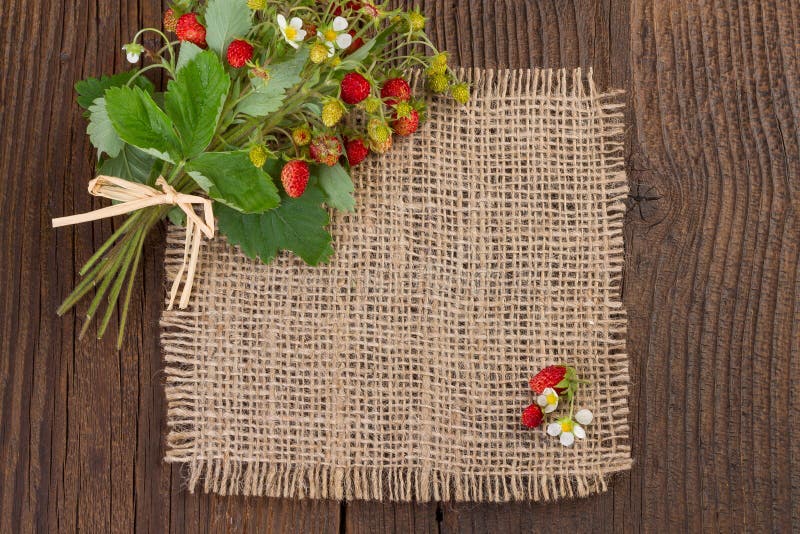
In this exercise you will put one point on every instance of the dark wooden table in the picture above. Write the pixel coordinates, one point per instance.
(711, 280)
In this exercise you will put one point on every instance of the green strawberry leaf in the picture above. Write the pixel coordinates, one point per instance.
(141, 123)
(298, 224)
(360, 55)
(564, 384)
(267, 97)
(131, 164)
(230, 178)
(355, 59)
(177, 216)
(188, 52)
(91, 89)
(337, 185)
(313, 107)
(101, 132)
(226, 20)
(194, 101)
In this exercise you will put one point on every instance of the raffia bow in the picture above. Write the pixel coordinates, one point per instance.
(134, 196)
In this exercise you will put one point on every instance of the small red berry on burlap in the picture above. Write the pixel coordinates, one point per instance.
(552, 385)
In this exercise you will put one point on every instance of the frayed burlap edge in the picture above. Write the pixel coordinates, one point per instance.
(258, 478)
(226, 476)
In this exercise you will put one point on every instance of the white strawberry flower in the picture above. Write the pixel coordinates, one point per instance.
(567, 428)
(293, 32)
(133, 51)
(584, 417)
(548, 400)
(336, 36)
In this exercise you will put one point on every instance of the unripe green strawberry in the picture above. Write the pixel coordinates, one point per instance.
(332, 113)
(460, 92)
(381, 148)
(416, 21)
(438, 83)
(259, 155)
(301, 135)
(439, 59)
(318, 53)
(434, 70)
(372, 104)
(256, 5)
(402, 110)
(378, 130)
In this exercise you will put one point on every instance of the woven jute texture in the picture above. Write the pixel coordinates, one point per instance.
(483, 248)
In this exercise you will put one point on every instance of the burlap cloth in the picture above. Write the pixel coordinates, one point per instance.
(483, 248)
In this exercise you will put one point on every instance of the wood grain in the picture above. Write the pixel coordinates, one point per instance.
(711, 284)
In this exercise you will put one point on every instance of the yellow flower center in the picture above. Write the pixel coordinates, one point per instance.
(567, 426)
(290, 33)
(552, 398)
(330, 36)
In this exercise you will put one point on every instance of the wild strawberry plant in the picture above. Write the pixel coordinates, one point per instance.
(254, 115)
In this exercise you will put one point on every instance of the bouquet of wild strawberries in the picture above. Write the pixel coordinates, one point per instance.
(253, 117)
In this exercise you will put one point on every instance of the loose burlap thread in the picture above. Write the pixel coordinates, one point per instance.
(483, 248)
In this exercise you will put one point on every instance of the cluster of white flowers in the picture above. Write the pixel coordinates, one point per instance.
(553, 385)
(333, 37)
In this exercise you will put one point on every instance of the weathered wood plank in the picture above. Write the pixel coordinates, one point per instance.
(711, 284)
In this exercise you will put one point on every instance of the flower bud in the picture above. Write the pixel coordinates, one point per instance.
(133, 52)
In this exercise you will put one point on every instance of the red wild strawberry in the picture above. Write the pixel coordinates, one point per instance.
(395, 90)
(294, 178)
(532, 416)
(549, 377)
(357, 151)
(355, 45)
(239, 53)
(311, 31)
(170, 20)
(406, 125)
(326, 149)
(355, 88)
(189, 29)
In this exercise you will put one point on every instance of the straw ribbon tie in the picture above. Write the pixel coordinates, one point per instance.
(134, 196)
